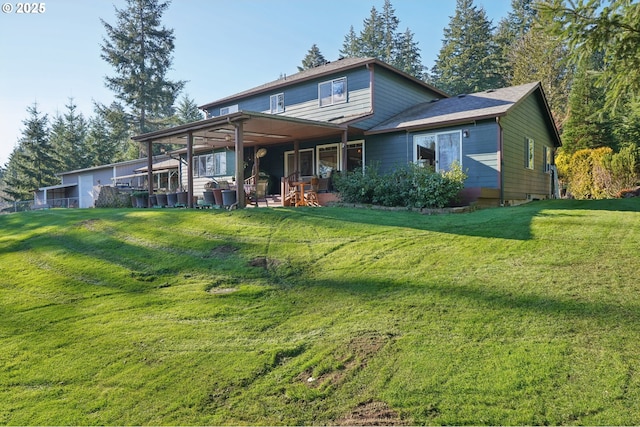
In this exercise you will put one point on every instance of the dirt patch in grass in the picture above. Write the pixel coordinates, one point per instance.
(264, 262)
(355, 356)
(371, 413)
(222, 251)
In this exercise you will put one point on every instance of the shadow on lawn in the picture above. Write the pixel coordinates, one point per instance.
(502, 223)
(557, 308)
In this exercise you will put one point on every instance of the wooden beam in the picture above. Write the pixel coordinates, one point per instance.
(190, 170)
(345, 138)
(240, 164)
(150, 171)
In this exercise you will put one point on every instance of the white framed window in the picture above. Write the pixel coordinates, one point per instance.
(210, 164)
(530, 153)
(329, 159)
(438, 150)
(305, 162)
(332, 92)
(229, 109)
(277, 103)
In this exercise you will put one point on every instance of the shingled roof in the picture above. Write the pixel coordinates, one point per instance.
(319, 71)
(459, 109)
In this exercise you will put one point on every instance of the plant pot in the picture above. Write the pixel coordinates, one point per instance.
(172, 199)
(153, 200)
(228, 197)
(161, 200)
(182, 199)
(217, 196)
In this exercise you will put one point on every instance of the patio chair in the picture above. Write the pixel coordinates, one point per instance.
(291, 195)
(311, 196)
(258, 194)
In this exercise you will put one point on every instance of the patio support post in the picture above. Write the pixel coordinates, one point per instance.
(345, 137)
(240, 164)
(296, 157)
(150, 171)
(189, 170)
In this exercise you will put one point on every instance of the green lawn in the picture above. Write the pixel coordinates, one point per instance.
(524, 315)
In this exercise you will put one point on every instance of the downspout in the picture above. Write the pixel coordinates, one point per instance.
(500, 160)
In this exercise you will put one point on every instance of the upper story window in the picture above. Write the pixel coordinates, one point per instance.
(229, 109)
(332, 92)
(277, 103)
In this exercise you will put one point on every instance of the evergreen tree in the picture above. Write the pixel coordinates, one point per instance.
(612, 28)
(587, 125)
(467, 61)
(30, 164)
(510, 31)
(119, 127)
(408, 58)
(350, 46)
(314, 58)
(140, 48)
(68, 139)
(188, 111)
(538, 56)
(380, 39)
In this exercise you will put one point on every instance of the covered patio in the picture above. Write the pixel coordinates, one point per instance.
(240, 130)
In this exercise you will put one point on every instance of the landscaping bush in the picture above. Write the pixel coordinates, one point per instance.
(600, 173)
(410, 186)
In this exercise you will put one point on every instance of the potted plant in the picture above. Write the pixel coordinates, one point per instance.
(161, 199)
(141, 198)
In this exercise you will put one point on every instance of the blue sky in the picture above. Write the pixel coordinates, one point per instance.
(221, 47)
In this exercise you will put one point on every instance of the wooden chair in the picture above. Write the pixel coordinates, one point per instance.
(311, 196)
(291, 191)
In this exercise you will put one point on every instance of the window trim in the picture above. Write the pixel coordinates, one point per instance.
(279, 103)
(229, 109)
(334, 97)
(217, 157)
(437, 151)
(530, 153)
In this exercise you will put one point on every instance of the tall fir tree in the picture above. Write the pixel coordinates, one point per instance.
(467, 61)
(511, 29)
(187, 111)
(587, 125)
(68, 139)
(31, 165)
(379, 38)
(312, 59)
(351, 45)
(140, 50)
(537, 56)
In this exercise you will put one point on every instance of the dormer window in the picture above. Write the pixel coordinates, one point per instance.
(228, 110)
(332, 92)
(277, 103)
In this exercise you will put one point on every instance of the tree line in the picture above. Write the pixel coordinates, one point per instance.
(585, 54)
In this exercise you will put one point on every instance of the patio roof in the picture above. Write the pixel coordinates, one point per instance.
(260, 129)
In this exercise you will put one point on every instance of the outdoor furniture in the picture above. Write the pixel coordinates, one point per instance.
(311, 195)
(259, 193)
(292, 194)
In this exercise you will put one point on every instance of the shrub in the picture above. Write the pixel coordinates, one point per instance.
(410, 186)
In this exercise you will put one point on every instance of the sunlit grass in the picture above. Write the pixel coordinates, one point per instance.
(526, 315)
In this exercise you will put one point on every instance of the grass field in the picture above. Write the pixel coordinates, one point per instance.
(523, 315)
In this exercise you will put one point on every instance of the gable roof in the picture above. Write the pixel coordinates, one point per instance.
(464, 108)
(329, 68)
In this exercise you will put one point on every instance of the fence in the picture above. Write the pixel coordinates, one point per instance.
(29, 205)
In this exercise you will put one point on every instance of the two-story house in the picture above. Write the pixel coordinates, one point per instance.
(360, 111)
